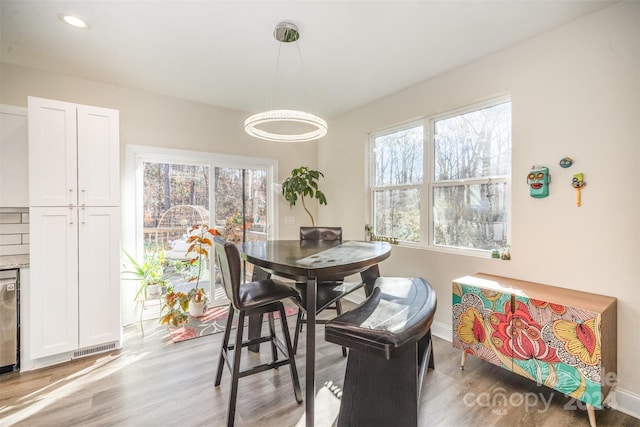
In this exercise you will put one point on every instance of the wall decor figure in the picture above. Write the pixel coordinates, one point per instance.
(566, 162)
(538, 181)
(578, 183)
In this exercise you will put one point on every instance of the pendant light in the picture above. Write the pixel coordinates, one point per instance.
(301, 126)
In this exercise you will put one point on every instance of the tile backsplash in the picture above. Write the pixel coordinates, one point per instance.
(14, 231)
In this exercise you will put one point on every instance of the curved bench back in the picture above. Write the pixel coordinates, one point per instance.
(399, 311)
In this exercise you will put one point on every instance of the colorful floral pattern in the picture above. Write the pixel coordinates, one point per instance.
(553, 344)
(518, 335)
(577, 344)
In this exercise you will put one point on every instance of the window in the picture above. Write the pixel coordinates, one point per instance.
(463, 202)
(398, 166)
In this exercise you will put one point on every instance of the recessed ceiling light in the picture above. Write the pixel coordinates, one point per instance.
(74, 21)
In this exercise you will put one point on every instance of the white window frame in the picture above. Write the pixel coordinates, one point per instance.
(429, 183)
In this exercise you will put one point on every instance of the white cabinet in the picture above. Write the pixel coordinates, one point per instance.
(54, 281)
(99, 274)
(74, 227)
(13, 157)
(73, 154)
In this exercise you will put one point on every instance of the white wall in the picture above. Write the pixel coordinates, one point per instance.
(575, 92)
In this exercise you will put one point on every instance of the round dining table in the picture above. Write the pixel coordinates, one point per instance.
(313, 261)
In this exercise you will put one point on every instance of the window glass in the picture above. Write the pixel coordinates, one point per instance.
(398, 213)
(398, 157)
(470, 216)
(473, 144)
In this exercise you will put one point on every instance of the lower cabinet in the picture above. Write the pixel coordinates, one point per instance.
(75, 285)
(561, 338)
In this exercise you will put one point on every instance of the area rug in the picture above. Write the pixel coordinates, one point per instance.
(213, 321)
(327, 406)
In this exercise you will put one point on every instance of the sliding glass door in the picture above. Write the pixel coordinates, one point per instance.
(241, 204)
(177, 190)
(176, 198)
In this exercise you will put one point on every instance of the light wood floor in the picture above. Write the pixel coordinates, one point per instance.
(153, 382)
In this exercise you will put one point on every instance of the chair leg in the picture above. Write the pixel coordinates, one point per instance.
(224, 350)
(272, 334)
(235, 375)
(298, 330)
(290, 355)
(339, 312)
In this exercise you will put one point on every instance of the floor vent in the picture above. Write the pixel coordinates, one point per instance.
(93, 350)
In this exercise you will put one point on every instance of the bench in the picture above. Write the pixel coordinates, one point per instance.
(389, 341)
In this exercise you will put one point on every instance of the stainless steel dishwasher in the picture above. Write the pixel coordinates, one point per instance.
(9, 338)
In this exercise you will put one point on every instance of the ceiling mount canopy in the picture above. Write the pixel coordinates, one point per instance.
(286, 125)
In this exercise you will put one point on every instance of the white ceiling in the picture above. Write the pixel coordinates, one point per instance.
(223, 52)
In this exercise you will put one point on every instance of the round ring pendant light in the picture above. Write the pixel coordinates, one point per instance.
(292, 120)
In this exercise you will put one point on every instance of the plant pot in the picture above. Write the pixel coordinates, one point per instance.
(197, 309)
(154, 291)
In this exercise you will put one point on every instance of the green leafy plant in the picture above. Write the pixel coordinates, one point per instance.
(303, 182)
(150, 272)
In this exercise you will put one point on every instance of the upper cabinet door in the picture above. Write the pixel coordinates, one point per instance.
(98, 157)
(53, 173)
(73, 154)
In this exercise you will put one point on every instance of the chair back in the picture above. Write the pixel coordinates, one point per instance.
(321, 233)
(228, 257)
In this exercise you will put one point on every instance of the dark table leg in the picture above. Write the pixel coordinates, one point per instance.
(310, 392)
(369, 277)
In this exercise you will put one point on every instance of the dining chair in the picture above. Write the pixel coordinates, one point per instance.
(330, 292)
(254, 298)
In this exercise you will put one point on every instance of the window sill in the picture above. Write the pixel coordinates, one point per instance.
(476, 253)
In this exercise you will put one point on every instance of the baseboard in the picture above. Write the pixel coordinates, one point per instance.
(625, 401)
(441, 330)
(619, 399)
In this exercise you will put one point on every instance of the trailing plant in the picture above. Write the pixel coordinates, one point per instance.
(303, 182)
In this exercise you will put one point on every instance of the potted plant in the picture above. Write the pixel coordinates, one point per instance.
(303, 182)
(174, 309)
(199, 239)
(150, 274)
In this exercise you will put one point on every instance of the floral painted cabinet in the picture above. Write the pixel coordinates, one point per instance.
(558, 337)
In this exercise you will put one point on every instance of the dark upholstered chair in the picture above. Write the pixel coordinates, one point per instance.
(255, 298)
(329, 292)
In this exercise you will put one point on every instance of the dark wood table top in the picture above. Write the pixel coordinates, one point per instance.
(300, 260)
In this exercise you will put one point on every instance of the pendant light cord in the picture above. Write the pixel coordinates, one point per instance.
(275, 77)
(304, 75)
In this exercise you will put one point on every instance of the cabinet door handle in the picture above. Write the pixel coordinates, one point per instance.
(83, 215)
(70, 197)
(82, 196)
